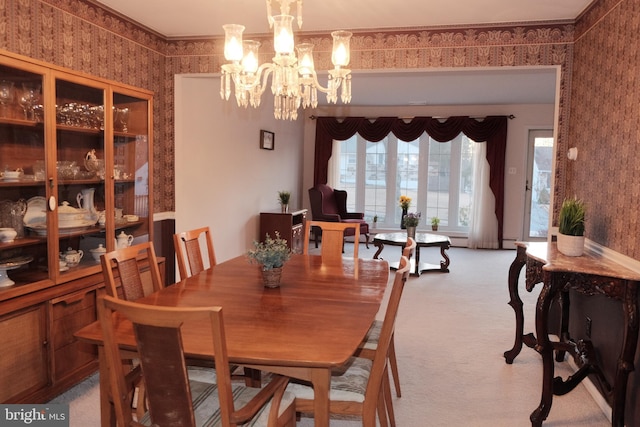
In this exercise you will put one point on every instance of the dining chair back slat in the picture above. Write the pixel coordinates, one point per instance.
(333, 233)
(189, 251)
(134, 282)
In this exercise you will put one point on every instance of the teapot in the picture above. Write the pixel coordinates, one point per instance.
(124, 240)
(72, 257)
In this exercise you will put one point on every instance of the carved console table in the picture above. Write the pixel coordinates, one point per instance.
(590, 274)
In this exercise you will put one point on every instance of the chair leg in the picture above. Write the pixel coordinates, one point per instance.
(315, 237)
(387, 398)
(381, 407)
(394, 366)
(366, 241)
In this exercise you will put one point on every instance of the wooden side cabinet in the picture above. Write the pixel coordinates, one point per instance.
(290, 225)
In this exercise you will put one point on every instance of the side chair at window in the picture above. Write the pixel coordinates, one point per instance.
(189, 253)
(361, 386)
(333, 233)
(173, 399)
(330, 205)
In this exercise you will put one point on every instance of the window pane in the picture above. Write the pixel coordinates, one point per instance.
(438, 181)
(407, 175)
(375, 192)
(466, 181)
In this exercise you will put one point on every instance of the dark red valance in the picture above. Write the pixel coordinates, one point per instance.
(491, 129)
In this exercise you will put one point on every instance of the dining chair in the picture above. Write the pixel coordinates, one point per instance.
(333, 234)
(173, 399)
(189, 251)
(369, 344)
(361, 386)
(134, 282)
(190, 257)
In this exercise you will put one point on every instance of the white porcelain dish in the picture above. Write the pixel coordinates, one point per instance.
(36, 212)
(41, 229)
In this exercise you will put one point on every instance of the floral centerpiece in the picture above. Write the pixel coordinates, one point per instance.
(271, 255)
(412, 219)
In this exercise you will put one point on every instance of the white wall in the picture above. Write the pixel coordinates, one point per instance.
(224, 180)
(532, 116)
(222, 177)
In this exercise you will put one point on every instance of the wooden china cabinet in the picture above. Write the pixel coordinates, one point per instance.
(75, 163)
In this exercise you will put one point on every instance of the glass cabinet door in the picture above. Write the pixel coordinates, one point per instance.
(81, 174)
(23, 184)
(131, 154)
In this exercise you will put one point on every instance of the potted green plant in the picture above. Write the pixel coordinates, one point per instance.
(283, 198)
(435, 221)
(375, 221)
(271, 255)
(571, 227)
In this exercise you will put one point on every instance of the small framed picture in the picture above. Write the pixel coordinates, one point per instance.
(267, 140)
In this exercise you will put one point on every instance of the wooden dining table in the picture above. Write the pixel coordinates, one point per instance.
(313, 322)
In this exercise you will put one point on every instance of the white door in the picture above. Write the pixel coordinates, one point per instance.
(538, 188)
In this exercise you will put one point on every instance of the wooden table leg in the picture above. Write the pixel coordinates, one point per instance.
(321, 380)
(516, 303)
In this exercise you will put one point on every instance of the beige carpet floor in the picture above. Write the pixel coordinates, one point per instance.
(451, 332)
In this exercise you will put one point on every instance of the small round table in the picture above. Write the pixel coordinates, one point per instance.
(423, 240)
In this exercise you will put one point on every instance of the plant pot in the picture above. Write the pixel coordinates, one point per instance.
(271, 278)
(570, 245)
(284, 208)
(434, 228)
(411, 232)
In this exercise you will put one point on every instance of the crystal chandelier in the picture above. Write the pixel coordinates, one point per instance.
(294, 81)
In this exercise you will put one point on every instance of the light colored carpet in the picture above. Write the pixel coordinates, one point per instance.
(451, 332)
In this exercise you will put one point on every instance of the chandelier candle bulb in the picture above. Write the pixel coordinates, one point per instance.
(233, 42)
(250, 59)
(340, 57)
(283, 34)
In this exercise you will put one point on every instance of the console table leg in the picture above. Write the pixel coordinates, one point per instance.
(545, 349)
(380, 247)
(444, 265)
(627, 355)
(516, 303)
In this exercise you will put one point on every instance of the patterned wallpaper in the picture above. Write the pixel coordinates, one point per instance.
(80, 35)
(604, 124)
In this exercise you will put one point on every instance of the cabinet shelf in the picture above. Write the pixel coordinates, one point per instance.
(24, 241)
(21, 183)
(79, 129)
(20, 122)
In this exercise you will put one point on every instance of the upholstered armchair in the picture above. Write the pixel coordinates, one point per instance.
(330, 205)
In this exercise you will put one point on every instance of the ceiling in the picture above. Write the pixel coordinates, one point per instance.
(203, 18)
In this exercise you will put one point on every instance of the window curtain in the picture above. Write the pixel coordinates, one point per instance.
(491, 129)
(483, 227)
